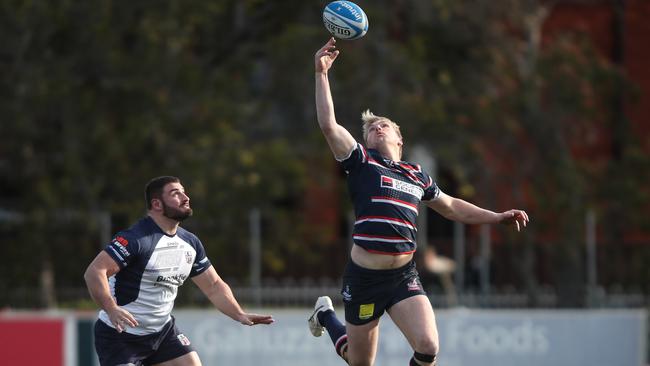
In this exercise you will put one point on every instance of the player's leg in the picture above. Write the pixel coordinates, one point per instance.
(188, 359)
(115, 348)
(415, 318)
(363, 347)
(324, 318)
(175, 349)
(362, 343)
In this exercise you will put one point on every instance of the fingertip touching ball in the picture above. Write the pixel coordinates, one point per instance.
(345, 20)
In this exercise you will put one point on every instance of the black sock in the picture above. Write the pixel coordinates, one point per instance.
(335, 329)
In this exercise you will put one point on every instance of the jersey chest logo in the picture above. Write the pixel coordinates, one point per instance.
(404, 187)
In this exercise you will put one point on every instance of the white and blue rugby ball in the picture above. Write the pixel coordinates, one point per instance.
(345, 20)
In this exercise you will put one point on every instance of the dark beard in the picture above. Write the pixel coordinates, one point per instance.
(175, 213)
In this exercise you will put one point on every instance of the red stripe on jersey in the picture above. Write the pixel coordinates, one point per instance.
(364, 153)
(388, 253)
(409, 172)
(381, 237)
(395, 200)
(404, 222)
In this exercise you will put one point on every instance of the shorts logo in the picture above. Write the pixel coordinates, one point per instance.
(366, 311)
(183, 339)
(414, 285)
(347, 295)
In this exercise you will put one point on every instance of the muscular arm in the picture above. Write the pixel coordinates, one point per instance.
(96, 277)
(460, 210)
(338, 138)
(221, 296)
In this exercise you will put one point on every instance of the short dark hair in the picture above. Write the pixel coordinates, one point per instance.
(154, 189)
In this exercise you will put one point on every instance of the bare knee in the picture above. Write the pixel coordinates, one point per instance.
(427, 346)
(357, 361)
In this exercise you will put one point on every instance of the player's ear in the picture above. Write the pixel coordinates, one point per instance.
(156, 204)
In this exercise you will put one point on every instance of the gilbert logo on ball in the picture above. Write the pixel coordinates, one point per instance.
(345, 20)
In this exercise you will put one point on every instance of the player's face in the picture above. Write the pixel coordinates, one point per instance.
(383, 132)
(175, 203)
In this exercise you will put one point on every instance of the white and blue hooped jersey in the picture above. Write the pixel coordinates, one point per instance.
(152, 266)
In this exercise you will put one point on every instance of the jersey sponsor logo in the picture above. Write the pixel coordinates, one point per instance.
(366, 311)
(121, 241)
(122, 250)
(167, 260)
(189, 257)
(179, 278)
(398, 185)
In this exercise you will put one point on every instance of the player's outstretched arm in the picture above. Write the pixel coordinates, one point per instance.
(222, 298)
(96, 277)
(460, 210)
(339, 139)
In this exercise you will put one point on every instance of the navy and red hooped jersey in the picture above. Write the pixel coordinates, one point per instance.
(152, 266)
(386, 195)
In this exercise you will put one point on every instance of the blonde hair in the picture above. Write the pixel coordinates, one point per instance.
(368, 118)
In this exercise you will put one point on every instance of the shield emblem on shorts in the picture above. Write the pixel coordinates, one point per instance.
(184, 340)
(414, 285)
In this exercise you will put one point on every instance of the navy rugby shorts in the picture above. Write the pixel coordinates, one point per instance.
(367, 293)
(115, 348)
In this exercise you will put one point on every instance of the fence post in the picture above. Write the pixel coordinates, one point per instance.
(256, 255)
(590, 240)
(459, 258)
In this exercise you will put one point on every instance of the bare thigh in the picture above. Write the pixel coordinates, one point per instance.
(415, 318)
(362, 343)
(188, 359)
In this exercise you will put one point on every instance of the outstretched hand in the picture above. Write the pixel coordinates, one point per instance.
(518, 218)
(326, 55)
(254, 319)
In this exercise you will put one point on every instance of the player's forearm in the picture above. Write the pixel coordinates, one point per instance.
(99, 291)
(468, 213)
(324, 104)
(222, 297)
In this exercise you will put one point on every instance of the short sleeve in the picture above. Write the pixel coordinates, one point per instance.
(123, 249)
(431, 190)
(357, 157)
(201, 261)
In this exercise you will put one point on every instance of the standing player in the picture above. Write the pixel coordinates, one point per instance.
(381, 274)
(135, 280)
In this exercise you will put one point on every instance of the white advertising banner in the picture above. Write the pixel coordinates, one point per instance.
(467, 337)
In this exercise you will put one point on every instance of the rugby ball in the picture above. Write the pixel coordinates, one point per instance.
(345, 20)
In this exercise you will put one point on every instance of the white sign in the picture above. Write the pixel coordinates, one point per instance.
(467, 337)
